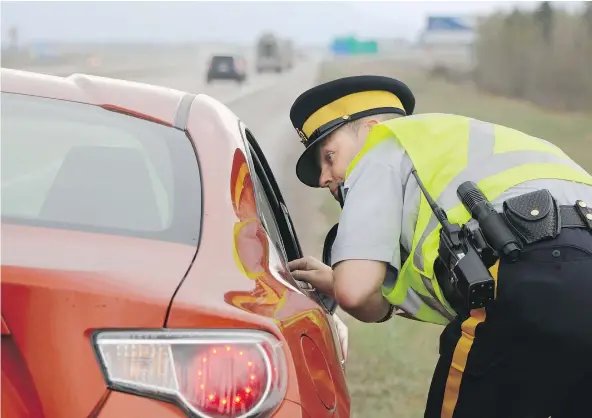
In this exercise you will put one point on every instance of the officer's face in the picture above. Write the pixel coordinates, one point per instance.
(338, 151)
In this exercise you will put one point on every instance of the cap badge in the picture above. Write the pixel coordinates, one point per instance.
(303, 137)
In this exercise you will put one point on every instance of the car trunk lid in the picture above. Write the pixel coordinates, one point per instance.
(57, 287)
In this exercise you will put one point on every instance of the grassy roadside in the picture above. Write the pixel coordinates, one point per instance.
(390, 365)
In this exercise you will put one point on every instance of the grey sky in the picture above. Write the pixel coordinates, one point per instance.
(223, 21)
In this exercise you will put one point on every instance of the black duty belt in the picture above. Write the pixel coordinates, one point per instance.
(536, 216)
(576, 216)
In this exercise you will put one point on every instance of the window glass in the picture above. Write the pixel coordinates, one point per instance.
(79, 166)
(268, 218)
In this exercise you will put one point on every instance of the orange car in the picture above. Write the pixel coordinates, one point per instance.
(144, 254)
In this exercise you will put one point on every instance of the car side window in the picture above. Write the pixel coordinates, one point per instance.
(268, 218)
(272, 203)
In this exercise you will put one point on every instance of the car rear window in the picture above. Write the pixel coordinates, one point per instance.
(77, 166)
(222, 60)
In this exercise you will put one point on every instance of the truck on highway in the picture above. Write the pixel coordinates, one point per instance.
(274, 54)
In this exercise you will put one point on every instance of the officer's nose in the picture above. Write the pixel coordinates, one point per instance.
(325, 179)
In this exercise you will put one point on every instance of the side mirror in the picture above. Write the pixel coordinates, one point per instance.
(329, 303)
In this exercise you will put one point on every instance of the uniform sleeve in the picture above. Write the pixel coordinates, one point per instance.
(370, 222)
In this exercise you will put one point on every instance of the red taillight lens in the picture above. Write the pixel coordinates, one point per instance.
(209, 373)
(223, 380)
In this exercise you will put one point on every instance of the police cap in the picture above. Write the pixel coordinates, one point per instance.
(321, 110)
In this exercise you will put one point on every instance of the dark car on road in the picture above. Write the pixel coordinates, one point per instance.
(227, 67)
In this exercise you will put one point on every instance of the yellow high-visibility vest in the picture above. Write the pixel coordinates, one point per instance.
(447, 150)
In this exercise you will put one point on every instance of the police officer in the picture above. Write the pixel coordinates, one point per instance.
(529, 352)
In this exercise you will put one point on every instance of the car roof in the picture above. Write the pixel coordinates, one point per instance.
(153, 102)
(226, 55)
(159, 104)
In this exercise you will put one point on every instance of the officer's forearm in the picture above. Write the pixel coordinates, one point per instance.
(357, 286)
(374, 309)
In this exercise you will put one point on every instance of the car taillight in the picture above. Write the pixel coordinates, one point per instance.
(208, 373)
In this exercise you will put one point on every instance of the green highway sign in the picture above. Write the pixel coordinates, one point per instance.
(352, 46)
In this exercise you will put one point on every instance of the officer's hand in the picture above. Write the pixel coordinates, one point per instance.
(310, 270)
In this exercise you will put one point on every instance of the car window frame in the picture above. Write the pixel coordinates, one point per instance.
(282, 220)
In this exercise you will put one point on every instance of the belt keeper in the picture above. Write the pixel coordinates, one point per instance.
(585, 213)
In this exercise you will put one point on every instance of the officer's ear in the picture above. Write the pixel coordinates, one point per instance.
(368, 125)
(371, 122)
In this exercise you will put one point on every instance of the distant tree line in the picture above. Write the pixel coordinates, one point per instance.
(543, 56)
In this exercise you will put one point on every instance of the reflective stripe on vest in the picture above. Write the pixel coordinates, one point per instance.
(447, 150)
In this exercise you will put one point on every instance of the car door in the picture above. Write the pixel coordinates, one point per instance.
(275, 215)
